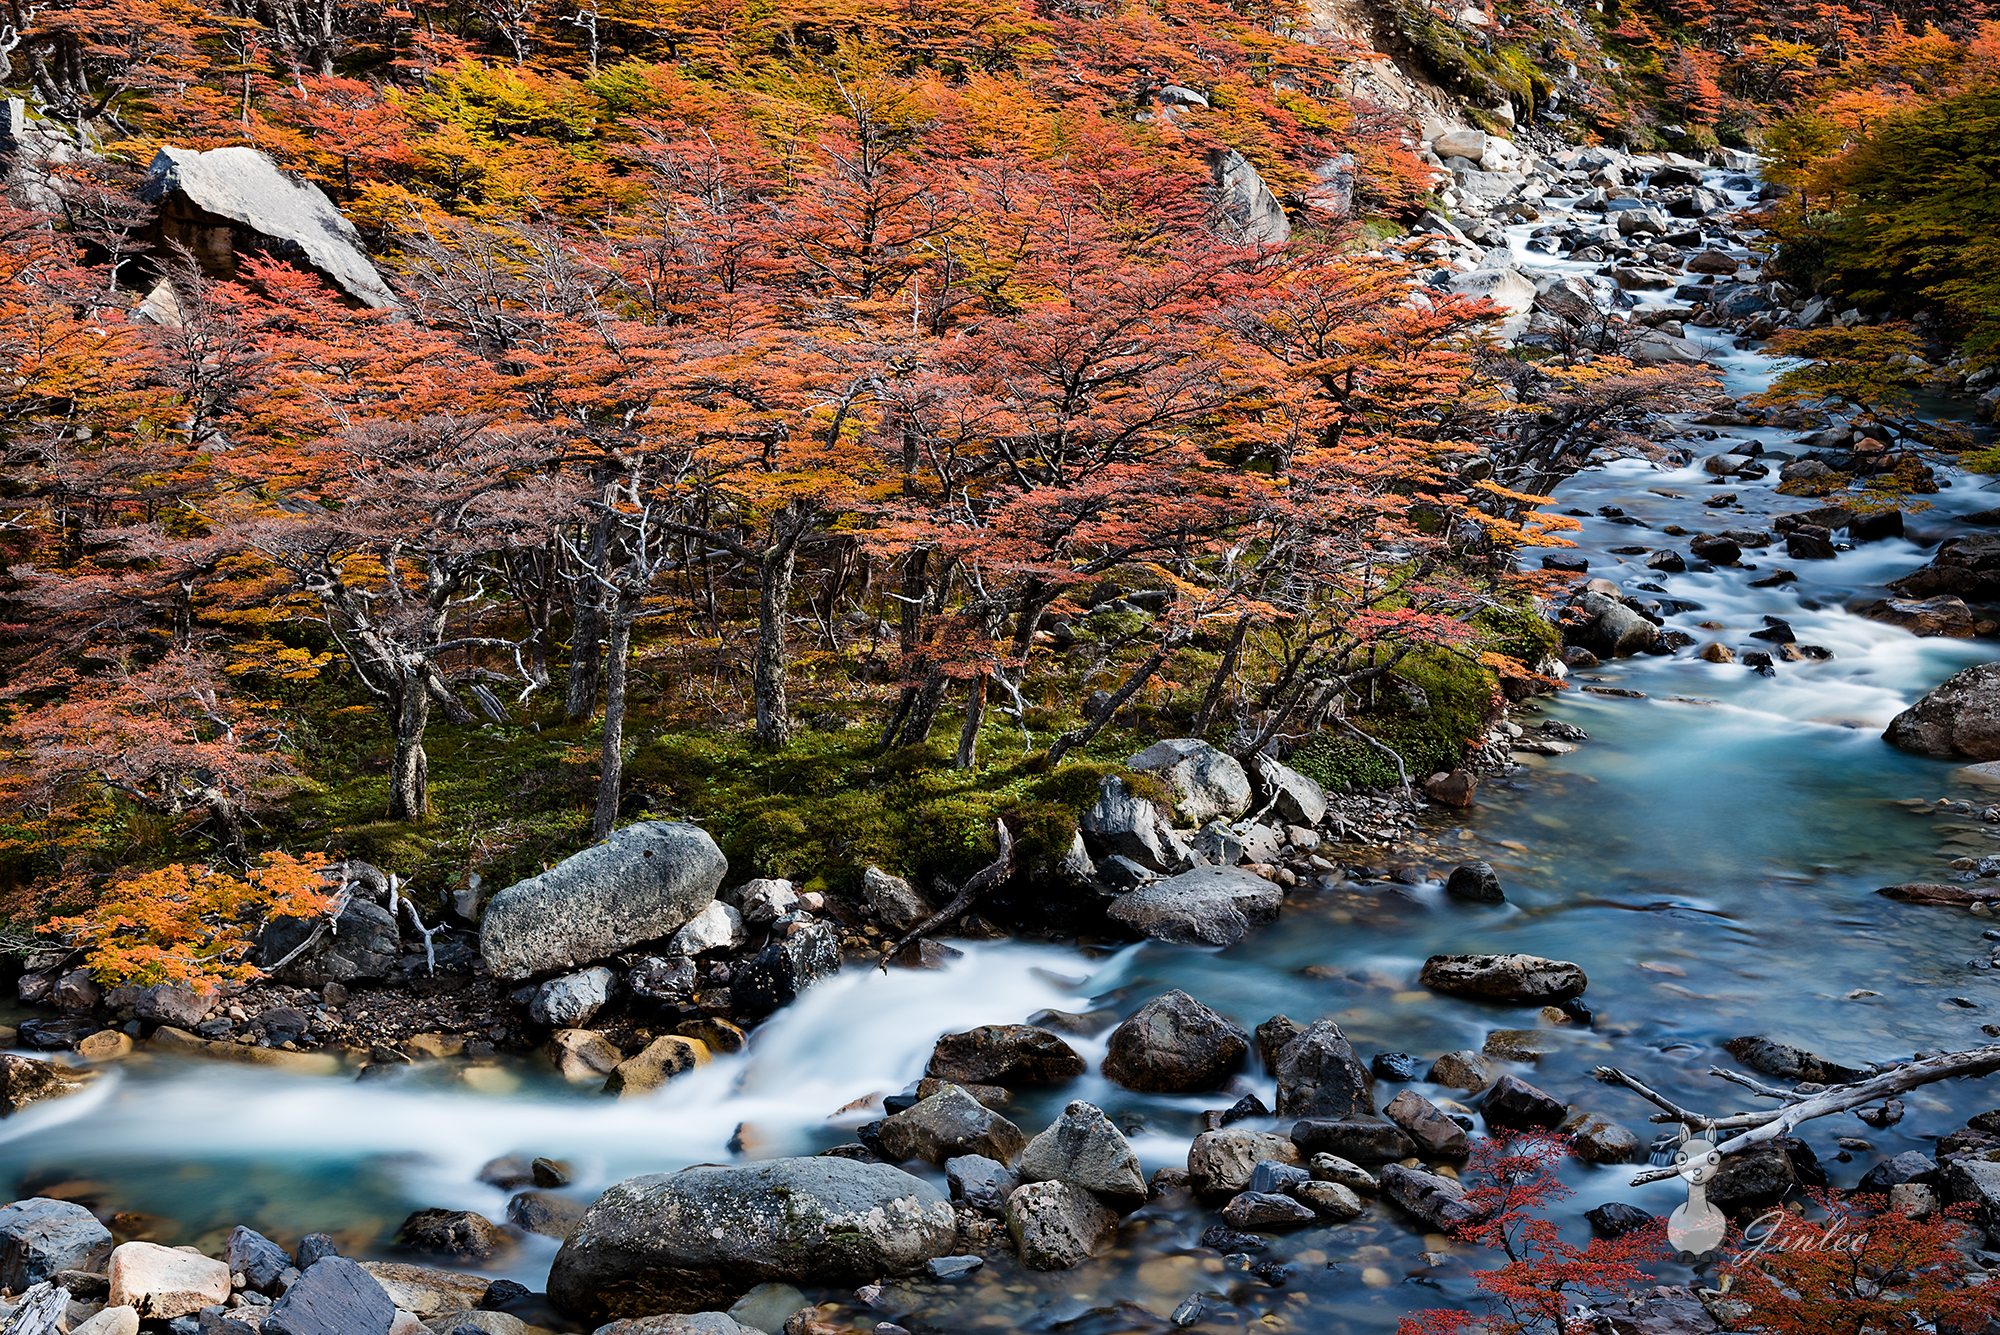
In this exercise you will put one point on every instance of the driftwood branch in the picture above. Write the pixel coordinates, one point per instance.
(42, 1308)
(992, 874)
(1757, 1128)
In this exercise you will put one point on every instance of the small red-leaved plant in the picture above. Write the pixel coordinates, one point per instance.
(1514, 1182)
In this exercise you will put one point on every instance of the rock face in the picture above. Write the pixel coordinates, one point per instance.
(1247, 204)
(1319, 1077)
(644, 882)
(161, 1282)
(39, 1236)
(1522, 978)
(1174, 1045)
(235, 201)
(1961, 718)
(1084, 1149)
(1004, 1054)
(697, 1240)
(783, 970)
(1206, 783)
(363, 948)
(1209, 906)
(1056, 1226)
(948, 1125)
(335, 1296)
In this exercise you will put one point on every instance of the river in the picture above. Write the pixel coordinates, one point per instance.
(1710, 857)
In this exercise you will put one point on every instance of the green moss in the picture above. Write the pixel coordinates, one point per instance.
(1430, 734)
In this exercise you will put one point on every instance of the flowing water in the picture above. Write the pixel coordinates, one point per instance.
(1710, 857)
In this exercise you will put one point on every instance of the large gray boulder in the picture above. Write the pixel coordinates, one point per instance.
(1206, 783)
(1209, 906)
(643, 883)
(950, 1124)
(699, 1239)
(1519, 978)
(39, 1236)
(1123, 824)
(334, 1296)
(1437, 1201)
(1959, 719)
(1296, 799)
(1247, 205)
(1175, 1045)
(1320, 1078)
(229, 202)
(1606, 627)
(1056, 1226)
(1084, 1149)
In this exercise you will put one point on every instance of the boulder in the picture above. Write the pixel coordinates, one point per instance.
(1965, 567)
(783, 970)
(655, 1064)
(163, 1282)
(1595, 1138)
(1433, 1132)
(362, 947)
(109, 1321)
(1459, 142)
(40, 1236)
(1296, 799)
(1084, 1149)
(1437, 1201)
(572, 1001)
(545, 1214)
(1056, 1226)
(717, 927)
(983, 1183)
(1756, 1176)
(1716, 548)
(1787, 1062)
(671, 979)
(1657, 348)
(230, 202)
(1519, 978)
(1319, 1077)
(1221, 1163)
(1174, 1045)
(643, 883)
(424, 1290)
(1211, 906)
(264, 1265)
(1475, 881)
(1207, 784)
(1453, 788)
(1958, 719)
(1513, 1102)
(1248, 207)
(1943, 617)
(1606, 627)
(1909, 1166)
(1616, 1218)
(1356, 1139)
(1121, 823)
(582, 1055)
(1976, 1182)
(949, 1125)
(175, 1004)
(1330, 1200)
(1333, 1168)
(897, 905)
(459, 1234)
(334, 1296)
(762, 901)
(697, 1240)
(1464, 1069)
(1717, 262)
(1004, 1054)
(676, 1323)
(1266, 1210)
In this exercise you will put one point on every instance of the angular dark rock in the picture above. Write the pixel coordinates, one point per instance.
(40, 1236)
(783, 970)
(333, 1296)
(1005, 1054)
(1175, 1045)
(1476, 881)
(1319, 1077)
(1513, 1102)
(1358, 1140)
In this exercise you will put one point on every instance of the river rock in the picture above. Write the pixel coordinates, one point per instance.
(762, 901)
(1943, 617)
(1454, 788)
(1174, 1045)
(1606, 627)
(1221, 1163)
(162, 1282)
(1319, 1077)
(1909, 1166)
(783, 970)
(1528, 979)
(424, 1290)
(1266, 1210)
(1295, 798)
(697, 1240)
(643, 883)
(1272, 1035)
(1464, 1069)
(1616, 1218)
(582, 1055)
(1434, 1133)
(333, 1297)
(264, 1265)
(1360, 1140)
(983, 1183)
(1207, 784)
(1211, 906)
(1123, 823)
(1475, 881)
(572, 1001)
(717, 927)
(40, 1236)
(1333, 1168)
(1965, 567)
(1513, 1102)
(26, 1080)
(460, 1234)
(897, 905)
(1056, 1226)
(545, 1214)
(1437, 1201)
(1330, 1200)
(947, 1125)
(1756, 1176)
(1595, 1138)
(1786, 1062)
(676, 1323)
(1976, 1182)
(363, 948)
(174, 1003)
(1084, 1149)
(671, 979)
(655, 1064)
(1960, 718)
(1004, 1054)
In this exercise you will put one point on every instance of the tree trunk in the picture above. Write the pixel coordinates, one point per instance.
(613, 767)
(1206, 714)
(924, 710)
(975, 714)
(586, 630)
(774, 722)
(410, 771)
